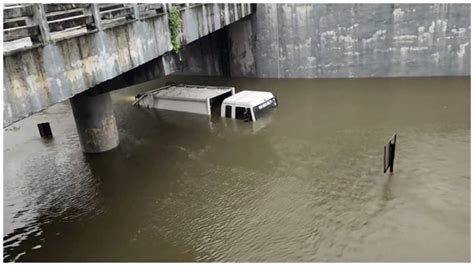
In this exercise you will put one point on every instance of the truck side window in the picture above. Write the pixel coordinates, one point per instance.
(228, 111)
(240, 113)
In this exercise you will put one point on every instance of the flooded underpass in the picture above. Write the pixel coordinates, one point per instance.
(304, 184)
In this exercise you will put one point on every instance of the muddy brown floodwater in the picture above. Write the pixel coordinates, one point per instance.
(304, 184)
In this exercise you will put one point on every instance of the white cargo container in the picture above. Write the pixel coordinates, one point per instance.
(185, 98)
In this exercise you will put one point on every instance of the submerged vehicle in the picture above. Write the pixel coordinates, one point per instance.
(245, 105)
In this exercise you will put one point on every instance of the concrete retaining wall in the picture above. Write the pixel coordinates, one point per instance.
(352, 40)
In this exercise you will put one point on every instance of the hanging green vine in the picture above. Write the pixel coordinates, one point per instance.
(176, 25)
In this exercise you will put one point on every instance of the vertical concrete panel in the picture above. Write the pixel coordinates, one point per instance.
(241, 49)
(216, 16)
(191, 28)
(267, 46)
(357, 40)
(226, 14)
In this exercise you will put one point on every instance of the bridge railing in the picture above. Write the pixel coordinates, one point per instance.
(19, 27)
(112, 15)
(29, 25)
(150, 10)
(64, 20)
(186, 5)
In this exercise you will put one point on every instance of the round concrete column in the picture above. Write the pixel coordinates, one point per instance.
(95, 122)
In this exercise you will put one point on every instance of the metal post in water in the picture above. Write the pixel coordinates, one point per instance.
(45, 130)
(389, 157)
(392, 152)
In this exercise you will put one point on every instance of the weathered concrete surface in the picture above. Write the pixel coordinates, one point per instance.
(241, 43)
(205, 53)
(207, 56)
(37, 78)
(200, 20)
(41, 76)
(352, 40)
(156, 68)
(95, 122)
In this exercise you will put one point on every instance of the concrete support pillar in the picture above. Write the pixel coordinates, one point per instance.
(95, 122)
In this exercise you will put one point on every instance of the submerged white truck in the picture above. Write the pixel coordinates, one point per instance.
(245, 105)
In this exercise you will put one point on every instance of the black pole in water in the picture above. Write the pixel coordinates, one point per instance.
(45, 130)
(392, 152)
(389, 157)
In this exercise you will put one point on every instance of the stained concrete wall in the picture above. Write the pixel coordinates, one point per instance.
(39, 77)
(352, 40)
(200, 20)
(205, 53)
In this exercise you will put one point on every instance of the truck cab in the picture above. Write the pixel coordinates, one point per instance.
(248, 105)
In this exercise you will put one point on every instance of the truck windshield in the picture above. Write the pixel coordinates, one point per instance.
(263, 108)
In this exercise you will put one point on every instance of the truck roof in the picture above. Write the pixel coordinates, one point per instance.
(191, 92)
(248, 98)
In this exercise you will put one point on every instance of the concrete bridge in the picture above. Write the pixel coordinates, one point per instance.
(54, 52)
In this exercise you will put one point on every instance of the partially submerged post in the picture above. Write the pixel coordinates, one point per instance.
(45, 130)
(389, 153)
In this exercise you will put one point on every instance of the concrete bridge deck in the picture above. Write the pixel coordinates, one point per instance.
(55, 51)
